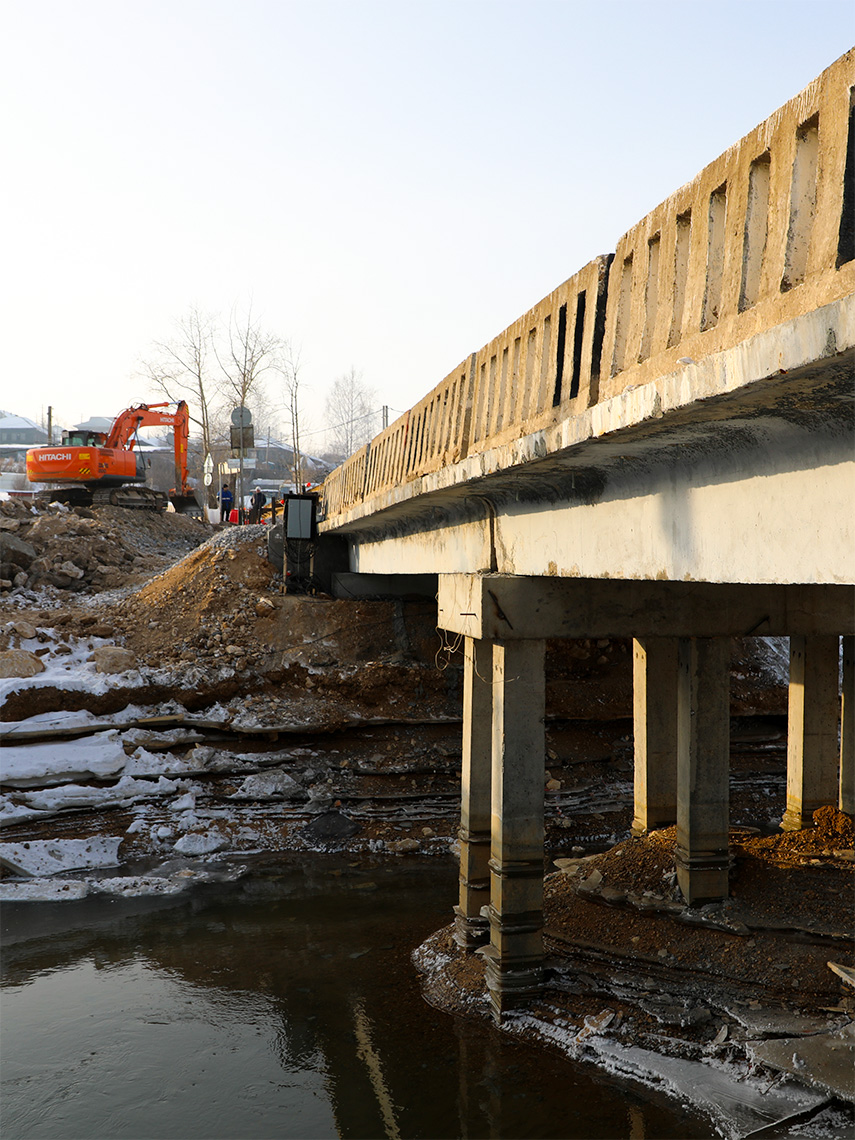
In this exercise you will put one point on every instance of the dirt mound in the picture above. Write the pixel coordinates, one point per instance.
(210, 603)
(832, 831)
(85, 551)
(218, 622)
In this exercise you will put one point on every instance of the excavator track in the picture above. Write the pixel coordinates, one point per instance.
(131, 498)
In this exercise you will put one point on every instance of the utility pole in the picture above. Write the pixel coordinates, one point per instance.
(50, 425)
(385, 416)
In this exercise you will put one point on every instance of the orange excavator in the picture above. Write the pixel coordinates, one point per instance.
(108, 469)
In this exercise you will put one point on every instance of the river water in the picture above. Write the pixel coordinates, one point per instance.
(280, 1005)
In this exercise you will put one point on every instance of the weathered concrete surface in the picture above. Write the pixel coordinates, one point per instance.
(812, 728)
(471, 927)
(515, 954)
(724, 470)
(847, 729)
(654, 692)
(348, 585)
(703, 754)
(510, 607)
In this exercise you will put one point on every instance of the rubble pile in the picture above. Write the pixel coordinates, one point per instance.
(83, 550)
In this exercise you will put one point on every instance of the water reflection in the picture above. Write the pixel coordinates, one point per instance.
(281, 1005)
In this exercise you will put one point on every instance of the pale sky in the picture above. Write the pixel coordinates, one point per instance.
(389, 184)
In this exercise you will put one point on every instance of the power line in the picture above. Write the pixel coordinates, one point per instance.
(346, 423)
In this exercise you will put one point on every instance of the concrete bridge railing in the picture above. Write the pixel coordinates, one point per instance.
(764, 234)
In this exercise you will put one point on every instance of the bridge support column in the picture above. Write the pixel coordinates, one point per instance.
(654, 702)
(812, 756)
(703, 755)
(471, 928)
(847, 729)
(515, 954)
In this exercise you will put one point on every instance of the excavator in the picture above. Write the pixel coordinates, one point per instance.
(97, 468)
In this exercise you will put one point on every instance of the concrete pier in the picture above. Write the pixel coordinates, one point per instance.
(471, 928)
(812, 748)
(703, 754)
(846, 800)
(654, 705)
(515, 954)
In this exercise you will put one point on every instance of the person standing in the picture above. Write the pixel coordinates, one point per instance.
(256, 504)
(226, 501)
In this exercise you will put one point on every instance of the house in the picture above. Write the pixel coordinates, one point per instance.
(17, 433)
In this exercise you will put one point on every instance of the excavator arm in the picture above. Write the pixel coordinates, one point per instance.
(127, 423)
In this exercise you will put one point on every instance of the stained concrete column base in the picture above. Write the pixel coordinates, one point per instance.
(471, 931)
(471, 928)
(641, 827)
(514, 960)
(702, 878)
(795, 818)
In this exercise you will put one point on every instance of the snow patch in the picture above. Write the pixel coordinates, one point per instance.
(195, 844)
(43, 890)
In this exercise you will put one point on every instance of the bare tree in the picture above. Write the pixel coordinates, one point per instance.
(247, 354)
(183, 368)
(290, 367)
(350, 414)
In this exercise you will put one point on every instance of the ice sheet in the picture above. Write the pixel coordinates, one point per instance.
(53, 856)
(124, 791)
(62, 761)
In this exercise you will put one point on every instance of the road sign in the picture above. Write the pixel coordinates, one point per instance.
(208, 465)
(241, 417)
(242, 438)
(207, 478)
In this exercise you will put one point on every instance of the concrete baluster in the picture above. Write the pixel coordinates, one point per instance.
(515, 954)
(846, 801)
(654, 701)
(812, 754)
(703, 754)
(471, 928)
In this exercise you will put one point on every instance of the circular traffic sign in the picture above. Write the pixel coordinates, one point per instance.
(241, 417)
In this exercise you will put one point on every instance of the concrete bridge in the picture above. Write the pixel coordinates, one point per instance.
(660, 449)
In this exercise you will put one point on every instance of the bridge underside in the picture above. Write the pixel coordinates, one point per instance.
(711, 503)
(681, 674)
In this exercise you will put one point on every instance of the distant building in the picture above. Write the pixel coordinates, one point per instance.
(19, 430)
(17, 433)
(271, 459)
(95, 423)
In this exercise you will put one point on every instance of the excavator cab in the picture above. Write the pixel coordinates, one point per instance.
(83, 439)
